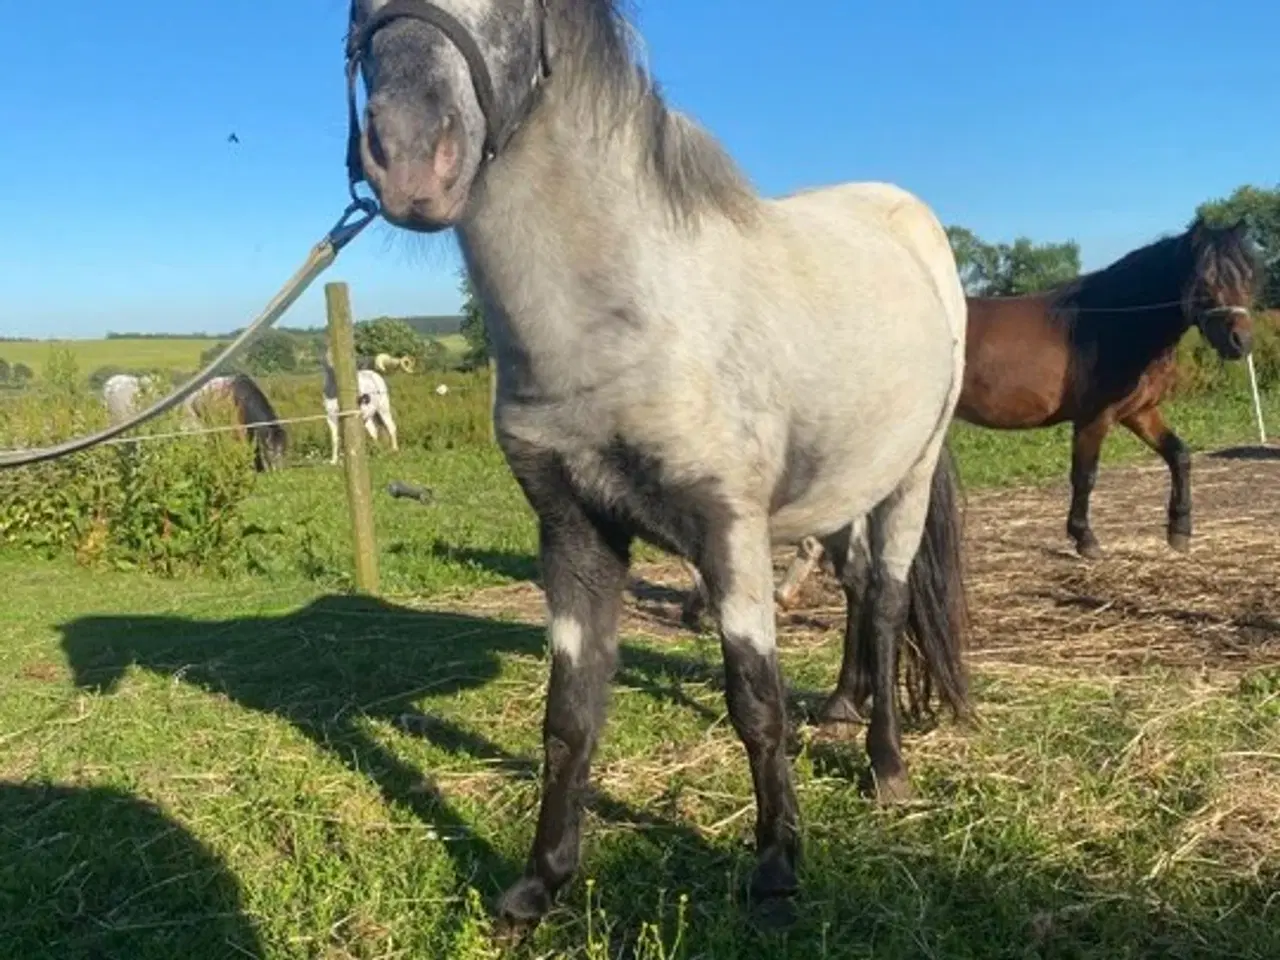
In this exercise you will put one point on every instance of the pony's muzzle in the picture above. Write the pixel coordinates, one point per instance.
(414, 163)
(1241, 342)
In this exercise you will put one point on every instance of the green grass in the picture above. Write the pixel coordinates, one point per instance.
(263, 766)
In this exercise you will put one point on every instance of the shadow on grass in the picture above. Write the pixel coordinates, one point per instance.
(504, 563)
(97, 873)
(872, 885)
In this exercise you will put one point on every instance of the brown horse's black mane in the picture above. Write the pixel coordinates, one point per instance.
(1127, 314)
(1161, 275)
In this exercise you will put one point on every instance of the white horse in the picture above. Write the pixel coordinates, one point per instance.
(121, 392)
(683, 361)
(374, 403)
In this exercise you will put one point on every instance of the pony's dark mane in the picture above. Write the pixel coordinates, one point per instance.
(692, 170)
(252, 401)
(258, 416)
(1123, 317)
(1162, 272)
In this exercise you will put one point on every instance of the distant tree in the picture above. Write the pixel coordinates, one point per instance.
(1007, 270)
(21, 374)
(5, 371)
(207, 355)
(473, 329)
(392, 336)
(1259, 207)
(272, 352)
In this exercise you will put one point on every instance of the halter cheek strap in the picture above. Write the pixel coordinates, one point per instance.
(498, 129)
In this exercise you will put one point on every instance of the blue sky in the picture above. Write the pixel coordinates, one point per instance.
(124, 206)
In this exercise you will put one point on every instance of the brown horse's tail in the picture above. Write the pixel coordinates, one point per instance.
(938, 617)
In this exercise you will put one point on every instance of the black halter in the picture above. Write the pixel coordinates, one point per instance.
(498, 129)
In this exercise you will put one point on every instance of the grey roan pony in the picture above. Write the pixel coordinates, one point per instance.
(654, 323)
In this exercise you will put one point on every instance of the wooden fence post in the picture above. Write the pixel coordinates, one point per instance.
(355, 460)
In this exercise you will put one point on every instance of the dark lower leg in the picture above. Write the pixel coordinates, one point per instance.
(852, 561)
(1085, 448)
(584, 570)
(884, 618)
(739, 577)
(1150, 428)
(753, 691)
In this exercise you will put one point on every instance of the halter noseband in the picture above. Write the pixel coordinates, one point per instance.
(498, 129)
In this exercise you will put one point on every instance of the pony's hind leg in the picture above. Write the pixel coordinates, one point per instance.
(584, 566)
(915, 583)
(851, 556)
(1086, 447)
(738, 569)
(1149, 427)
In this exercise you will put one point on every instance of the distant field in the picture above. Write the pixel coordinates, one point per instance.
(176, 354)
(91, 354)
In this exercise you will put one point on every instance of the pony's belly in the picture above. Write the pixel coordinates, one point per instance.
(840, 496)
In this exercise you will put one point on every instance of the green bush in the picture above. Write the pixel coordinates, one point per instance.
(164, 506)
(271, 352)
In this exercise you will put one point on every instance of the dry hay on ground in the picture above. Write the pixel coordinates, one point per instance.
(1035, 603)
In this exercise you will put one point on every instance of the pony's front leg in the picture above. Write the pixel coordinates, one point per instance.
(1149, 427)
(1086, 448)
(739, 574)
(584, 565)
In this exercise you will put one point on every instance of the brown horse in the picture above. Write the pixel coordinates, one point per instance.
(1100, 350)
(1095, 352)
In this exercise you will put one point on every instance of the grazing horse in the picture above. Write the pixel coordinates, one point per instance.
(653, 321)
(1094, 352)
(373, 399)
(253, 411)
(120, 394)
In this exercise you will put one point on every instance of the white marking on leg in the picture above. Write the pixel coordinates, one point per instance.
(566, 637)
(746, 612)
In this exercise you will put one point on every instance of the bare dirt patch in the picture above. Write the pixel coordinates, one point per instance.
(1036, 604)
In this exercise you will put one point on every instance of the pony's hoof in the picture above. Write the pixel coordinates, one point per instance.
(524, 905)
(840, 710)
(888, 789)
(1180, 541)
(773, 915)
(784, 599)
(1090, 550)
(773, 885)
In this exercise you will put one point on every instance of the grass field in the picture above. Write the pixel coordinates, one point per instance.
(269, 767)
(141, 354)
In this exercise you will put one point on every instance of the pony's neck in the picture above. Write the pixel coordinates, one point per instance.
(553, 240)
(1135, 308)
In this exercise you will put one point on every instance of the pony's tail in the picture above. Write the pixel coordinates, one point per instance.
(938, 616)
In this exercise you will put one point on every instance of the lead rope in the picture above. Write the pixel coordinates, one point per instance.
(358, 215)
